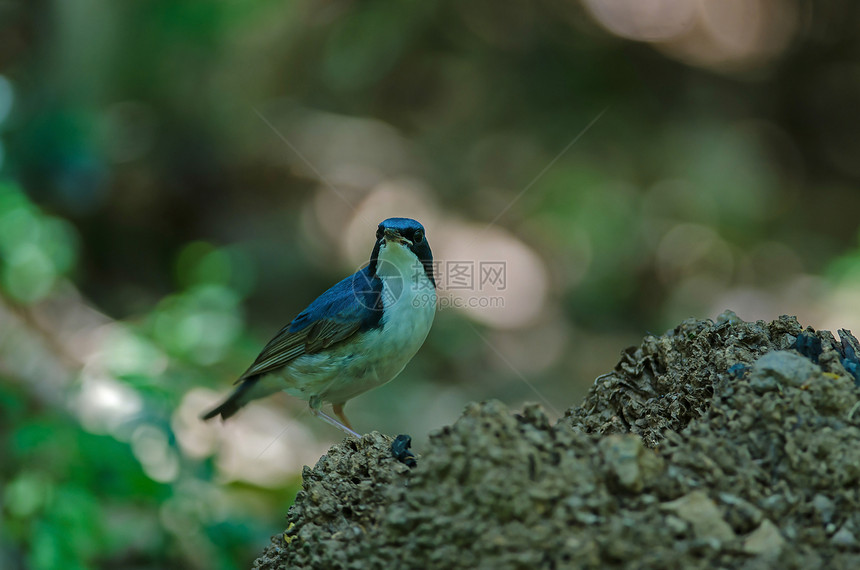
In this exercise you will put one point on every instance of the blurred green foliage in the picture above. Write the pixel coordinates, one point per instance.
(35, 250)
(179, 178)
(75, 499)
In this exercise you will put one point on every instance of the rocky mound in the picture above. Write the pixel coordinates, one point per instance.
(727, 444)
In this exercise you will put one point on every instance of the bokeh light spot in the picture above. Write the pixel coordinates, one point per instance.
(152, 448)
(28, 274)
(646, 20)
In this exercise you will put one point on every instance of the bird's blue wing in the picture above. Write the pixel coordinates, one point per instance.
(350, 306)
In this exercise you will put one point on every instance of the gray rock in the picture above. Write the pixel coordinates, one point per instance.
(780, 368)
(703, 515)
(765, 540)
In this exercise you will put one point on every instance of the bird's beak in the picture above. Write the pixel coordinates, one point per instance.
(394, 236)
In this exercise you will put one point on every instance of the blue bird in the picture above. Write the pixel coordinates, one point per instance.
(356, 336)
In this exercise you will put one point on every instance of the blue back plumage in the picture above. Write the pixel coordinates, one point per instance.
(355, 299)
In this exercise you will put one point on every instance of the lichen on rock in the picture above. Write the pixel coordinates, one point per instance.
(713, 445)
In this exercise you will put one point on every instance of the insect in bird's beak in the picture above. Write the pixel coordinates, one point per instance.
(393, 235)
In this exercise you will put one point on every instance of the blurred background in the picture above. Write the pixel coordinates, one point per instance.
(179, 178)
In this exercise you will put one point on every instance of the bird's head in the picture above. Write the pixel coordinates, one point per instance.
(401, 242)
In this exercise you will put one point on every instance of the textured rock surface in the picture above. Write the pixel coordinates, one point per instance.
(679, 458)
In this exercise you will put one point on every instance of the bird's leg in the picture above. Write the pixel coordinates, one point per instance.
(334, 422)
(338, 411)
(315, 405)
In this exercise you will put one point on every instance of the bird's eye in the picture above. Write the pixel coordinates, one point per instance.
(379, 232)
(418, 237)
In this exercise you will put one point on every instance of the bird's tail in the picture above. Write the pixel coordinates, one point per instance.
(243, 394)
